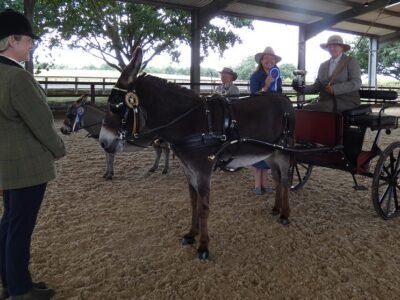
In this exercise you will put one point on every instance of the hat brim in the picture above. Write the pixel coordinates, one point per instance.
(345, 46)
(31, 35)
(34, 36)
(234, 75)
(258, 57)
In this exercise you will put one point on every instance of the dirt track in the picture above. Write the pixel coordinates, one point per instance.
(119, 239)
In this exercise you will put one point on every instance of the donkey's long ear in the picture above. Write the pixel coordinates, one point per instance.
(129, 74)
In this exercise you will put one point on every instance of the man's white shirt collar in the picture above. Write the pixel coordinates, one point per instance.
(336, 60)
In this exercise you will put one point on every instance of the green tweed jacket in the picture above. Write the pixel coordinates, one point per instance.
(29, 143)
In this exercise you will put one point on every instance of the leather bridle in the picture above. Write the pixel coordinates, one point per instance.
(131, 103)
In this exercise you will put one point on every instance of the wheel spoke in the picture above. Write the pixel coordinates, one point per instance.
(305, 166)
(381, 199)
(386, 183)
(385, 170)
(298, 174)
(397, 162)
(396, 203)
(389, 201)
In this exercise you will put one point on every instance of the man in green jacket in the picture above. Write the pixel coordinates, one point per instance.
(29, 145)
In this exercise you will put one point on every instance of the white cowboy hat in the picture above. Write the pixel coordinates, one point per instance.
(335, 40)
(268, 50)
(229, 71)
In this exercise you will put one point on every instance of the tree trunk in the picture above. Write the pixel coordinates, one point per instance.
(29, 6)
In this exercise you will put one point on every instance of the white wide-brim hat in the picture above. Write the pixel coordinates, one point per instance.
(335, 40)
(268, 50)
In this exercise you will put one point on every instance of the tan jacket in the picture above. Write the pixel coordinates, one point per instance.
(346, 85)
(29, 143)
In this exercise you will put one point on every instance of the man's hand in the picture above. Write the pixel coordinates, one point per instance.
(329, 89)
(297, 87)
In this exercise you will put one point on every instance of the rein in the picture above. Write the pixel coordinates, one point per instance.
(132, 102)
(209, 138)
(87, 126)
(77, 122)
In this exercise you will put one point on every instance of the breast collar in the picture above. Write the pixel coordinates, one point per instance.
(212, 136)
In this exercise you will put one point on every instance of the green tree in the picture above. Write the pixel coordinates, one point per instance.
(40, 19)
(388, 57)
(246, 68)
(111, 30)
(209, 72)
(287, 71)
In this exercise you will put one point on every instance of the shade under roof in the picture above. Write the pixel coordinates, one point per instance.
(376, 18)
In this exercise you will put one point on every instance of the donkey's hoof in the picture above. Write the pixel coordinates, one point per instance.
(202, 254)
(188, 241)
(275, 211)
(165, 171)
(284, 221)
(152, 170)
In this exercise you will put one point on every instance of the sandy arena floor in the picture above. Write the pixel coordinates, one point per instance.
(120, 239)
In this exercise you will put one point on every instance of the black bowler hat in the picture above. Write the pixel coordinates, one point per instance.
(13, 22)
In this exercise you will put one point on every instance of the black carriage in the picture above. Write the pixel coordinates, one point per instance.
(336, 141)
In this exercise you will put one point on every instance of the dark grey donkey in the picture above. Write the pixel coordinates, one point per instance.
(83, 114)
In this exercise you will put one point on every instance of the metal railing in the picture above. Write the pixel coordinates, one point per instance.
(101, 87)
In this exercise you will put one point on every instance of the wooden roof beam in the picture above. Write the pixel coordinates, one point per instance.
(371, 23)
(212, 10)
(388, 39)
(288, 8)
(319, 26)
(160, 4)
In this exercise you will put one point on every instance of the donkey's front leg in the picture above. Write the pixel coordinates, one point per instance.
(157, 150)
(166, 155)
(200, 212)
(203, 209)
(109, 166)
(189, 238)
(284, 185)
(285, 211)
(278, 200)
(281, 205)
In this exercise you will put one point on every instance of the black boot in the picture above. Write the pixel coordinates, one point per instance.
(39, 285)
(35, 294)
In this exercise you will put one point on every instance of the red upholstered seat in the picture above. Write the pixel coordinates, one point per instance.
(324, 128)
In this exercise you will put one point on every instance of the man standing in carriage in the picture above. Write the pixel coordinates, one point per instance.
(338, 82)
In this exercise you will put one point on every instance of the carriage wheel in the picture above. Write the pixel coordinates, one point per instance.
(385, 184)
(299, 174)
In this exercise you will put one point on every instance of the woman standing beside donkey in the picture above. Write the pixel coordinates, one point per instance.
(29, 146)
(266, 78)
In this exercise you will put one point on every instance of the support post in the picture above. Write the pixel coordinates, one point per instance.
(195, 52)
(372, 62)
(29, 6)
(301, 61)
(92, 93)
